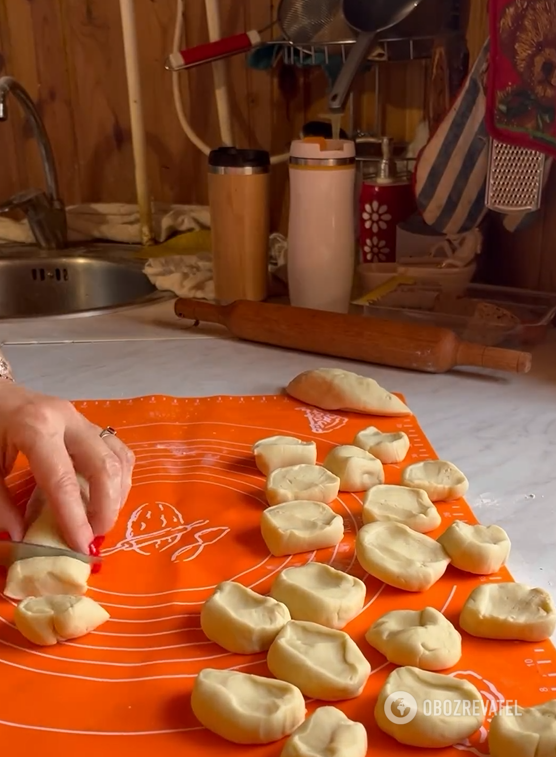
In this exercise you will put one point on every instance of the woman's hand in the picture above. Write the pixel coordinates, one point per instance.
(59, 442)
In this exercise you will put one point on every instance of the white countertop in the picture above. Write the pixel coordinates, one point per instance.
(498, 428)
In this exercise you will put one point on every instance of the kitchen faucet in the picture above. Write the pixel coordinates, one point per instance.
(45, 211)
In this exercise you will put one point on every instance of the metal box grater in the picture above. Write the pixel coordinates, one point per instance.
(515, 178)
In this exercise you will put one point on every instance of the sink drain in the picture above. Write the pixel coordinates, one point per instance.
(44, 274)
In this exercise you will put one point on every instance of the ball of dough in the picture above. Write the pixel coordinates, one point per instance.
(388, 448)
(356, 469)
(459, 705)
(324, 663)
(441, 480)
(48, 620)
(509, 611)
(300, 526)
(523, 731)
(327, 733)
(43, 576)
(474, 548)
(400, 557)
(308, 482)
(336, 389)
(389, 503)
(319, 593)
(244, 708)
(421, 638)
(240, 620)
(282, 451)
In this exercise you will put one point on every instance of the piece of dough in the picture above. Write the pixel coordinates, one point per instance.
(400, 557)
(308, 482)
(240, 620)
(474, 548)
(422, 638)
(328, 732)
(388, 448)
(441, 480)
(48, 620)
(283, 451)
(42, 576)
(356, 469)
(320, 593)
(461, 709)
(300, 526)
(244, 708)
(389, 503)
(509, 611)
(523, 731)
(336, 389)
(324, 663)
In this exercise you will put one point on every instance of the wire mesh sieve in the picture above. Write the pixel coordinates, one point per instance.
(313, 21)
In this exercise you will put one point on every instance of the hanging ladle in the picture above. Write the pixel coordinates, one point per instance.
(369, 18)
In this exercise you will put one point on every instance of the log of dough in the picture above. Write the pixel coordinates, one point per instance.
(509, 611)
(320, 594)
(308, 482)
(482, 550)
(441, 480)
(245, 708)
(461, 707)
(356, 469)
(388, 448)
(240, 620)
(300, 526)
(400, 557)
(336, 389)
(283, 451)
(327, 733)
(389, 503)
(47, 620)
(324, 663)
(42, 576)
(523, 731)
(421, 638)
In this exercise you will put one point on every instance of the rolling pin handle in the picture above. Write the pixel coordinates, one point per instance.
(495, 358)
(200, 310)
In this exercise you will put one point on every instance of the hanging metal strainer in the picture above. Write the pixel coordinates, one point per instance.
(306, 22)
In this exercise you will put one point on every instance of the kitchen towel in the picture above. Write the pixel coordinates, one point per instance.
(115, 222)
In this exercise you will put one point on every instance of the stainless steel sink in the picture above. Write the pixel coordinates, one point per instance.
(34, 285)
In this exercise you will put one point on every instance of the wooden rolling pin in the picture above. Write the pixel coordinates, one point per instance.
(370, 340)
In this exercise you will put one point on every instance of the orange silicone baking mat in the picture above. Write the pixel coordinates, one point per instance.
(192, 520)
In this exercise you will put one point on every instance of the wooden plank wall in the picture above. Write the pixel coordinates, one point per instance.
(69, 55)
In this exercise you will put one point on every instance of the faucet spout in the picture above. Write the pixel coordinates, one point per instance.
(53, 228)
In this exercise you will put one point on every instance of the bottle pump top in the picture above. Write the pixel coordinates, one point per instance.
(387, 172)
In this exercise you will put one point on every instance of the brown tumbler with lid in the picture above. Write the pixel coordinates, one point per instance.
(238, 186)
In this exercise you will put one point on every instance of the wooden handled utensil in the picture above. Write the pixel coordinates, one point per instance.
(369, 340)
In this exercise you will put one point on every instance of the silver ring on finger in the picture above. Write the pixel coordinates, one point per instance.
(108, 431)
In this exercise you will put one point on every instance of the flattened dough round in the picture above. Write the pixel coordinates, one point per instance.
(356, 469)
(300, 526)
(441, 480)
(320, 594)
(523, 731)
(388, 448)
(43, 576)
(400, 557)
(327, 733)
(324, 663)
(309, 482)
(421, 638)
(240, 620)
(48, 620)
(389, 503)
(244, 708)
(509, 611)
(461, 706)
(282, 451)
(336, 389)
(474, 548)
